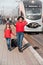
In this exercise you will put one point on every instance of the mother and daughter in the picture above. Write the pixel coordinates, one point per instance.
(20, 24)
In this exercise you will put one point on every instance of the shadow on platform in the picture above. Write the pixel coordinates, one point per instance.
(14, 44)
(26, 46)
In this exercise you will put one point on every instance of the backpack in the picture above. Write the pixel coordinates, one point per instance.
(13, 42)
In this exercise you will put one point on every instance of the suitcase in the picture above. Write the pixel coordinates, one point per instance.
(14, 43)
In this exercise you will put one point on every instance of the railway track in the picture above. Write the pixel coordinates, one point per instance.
(39, 38)
(36, 41)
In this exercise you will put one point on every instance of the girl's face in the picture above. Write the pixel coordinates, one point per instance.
(7, 26)
(20, 19)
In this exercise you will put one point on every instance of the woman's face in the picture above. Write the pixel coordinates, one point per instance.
(20, 20)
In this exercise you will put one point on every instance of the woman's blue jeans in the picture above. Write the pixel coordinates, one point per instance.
(8, 40)
(20, 36)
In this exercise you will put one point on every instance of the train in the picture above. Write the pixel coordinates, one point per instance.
(31, 10)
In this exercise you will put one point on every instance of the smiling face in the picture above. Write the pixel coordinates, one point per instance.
(20, 19)
(7, 26)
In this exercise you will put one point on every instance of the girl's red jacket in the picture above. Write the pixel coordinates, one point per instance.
(7, 33)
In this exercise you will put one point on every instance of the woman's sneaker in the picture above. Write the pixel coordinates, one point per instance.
(20, 50)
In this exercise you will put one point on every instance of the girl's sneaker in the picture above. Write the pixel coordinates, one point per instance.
(9, 49)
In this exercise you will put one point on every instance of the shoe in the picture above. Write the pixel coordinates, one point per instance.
(9, 49)
(20, 50)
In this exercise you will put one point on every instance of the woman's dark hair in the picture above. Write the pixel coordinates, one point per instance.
(20, 17)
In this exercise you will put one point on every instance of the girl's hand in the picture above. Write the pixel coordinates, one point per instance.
(14, 34)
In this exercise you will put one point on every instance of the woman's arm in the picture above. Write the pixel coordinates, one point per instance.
(25, 22)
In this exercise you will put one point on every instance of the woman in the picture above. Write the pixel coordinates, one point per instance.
(20, 24)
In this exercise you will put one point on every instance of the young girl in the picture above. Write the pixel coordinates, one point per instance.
(7, 35)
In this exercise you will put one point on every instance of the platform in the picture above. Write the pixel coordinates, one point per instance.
(14, 57)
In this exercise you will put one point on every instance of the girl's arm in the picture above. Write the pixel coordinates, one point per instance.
(4, 35)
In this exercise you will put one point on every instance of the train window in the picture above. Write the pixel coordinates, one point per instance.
(33, 17)
(33, 10)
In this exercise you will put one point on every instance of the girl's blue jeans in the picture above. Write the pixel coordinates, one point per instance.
(8, 40)
(20, 36)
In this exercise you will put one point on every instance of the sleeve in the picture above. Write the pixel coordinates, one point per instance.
(24, 23)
